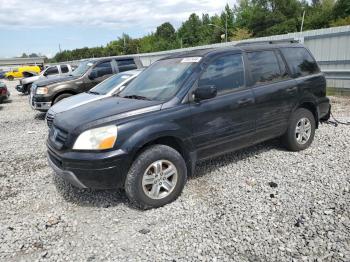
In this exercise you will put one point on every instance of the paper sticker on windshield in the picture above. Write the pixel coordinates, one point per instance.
(90, 64)
(191, 60)
(125, 76)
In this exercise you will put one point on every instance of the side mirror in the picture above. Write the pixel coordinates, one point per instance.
(93, 75)
(204, 92)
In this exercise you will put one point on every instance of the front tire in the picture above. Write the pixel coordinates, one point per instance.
(301, 130)
(156, 178)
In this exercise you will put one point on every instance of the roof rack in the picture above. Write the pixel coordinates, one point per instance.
(282, 41)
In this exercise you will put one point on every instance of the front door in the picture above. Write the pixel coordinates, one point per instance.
(226, 122)
(99, 73)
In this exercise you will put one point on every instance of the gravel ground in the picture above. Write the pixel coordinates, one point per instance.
(258, 204)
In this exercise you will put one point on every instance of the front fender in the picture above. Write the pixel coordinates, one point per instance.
(156, 131)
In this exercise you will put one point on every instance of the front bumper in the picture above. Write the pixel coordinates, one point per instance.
(38, 105)
(66, 175)
(19, 88)
(100, 170)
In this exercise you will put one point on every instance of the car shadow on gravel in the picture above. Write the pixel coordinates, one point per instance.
(8, 101)
(40, 116)
(89, 197)
(207, 166)
(111, 198)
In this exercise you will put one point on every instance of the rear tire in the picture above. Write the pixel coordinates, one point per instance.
(61, 97)
(146, 187)
(301, 130)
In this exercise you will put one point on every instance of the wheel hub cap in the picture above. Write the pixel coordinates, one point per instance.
(159, 179)
(303, 131)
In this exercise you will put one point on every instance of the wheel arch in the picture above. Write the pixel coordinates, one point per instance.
(71, 92)
(311, 106)
(172, 139)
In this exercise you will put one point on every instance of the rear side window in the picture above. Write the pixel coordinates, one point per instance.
(300, 61)
(64, 69)
(126, 62)
(264, 67)
(225, 73)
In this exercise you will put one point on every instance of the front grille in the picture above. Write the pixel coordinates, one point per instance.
(49, 119)
(58, 137)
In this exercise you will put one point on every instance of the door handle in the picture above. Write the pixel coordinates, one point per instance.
(291, 89)
(245, 101)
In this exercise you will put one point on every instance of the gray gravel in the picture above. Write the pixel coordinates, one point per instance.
(258, 204)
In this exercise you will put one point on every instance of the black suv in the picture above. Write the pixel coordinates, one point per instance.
(186, 108)
(45, 93)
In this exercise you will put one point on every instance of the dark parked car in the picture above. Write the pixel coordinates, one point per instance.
(187, 108)
(4, 92)
(2, 74)
(47, 92)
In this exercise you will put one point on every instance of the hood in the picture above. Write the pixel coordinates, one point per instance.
(29, 80)
(116, 107)
(74, 101)
(54, 80)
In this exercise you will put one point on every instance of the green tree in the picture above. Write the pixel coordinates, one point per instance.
(190, 31)
(341, 9)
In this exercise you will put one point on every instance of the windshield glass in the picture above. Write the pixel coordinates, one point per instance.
(110, 83)
(161, 80)
(82, 68)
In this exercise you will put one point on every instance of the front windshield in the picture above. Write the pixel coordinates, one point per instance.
(161, 81)
(109, 84)
(82, 68)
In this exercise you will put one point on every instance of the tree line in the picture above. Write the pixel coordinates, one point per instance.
(249, 18)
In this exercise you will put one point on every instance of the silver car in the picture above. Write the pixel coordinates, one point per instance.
(109, 87)
(51, 71)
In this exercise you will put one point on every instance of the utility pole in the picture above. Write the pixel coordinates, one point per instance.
(226, 27)
(302, 22)
(59, 48)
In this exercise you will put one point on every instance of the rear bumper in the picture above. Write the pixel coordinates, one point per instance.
(103, 170)
(324, 109)
(4, 97)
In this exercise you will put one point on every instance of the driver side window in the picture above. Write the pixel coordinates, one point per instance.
(226, 73)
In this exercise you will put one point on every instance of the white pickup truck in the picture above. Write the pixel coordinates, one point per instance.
(51, 71)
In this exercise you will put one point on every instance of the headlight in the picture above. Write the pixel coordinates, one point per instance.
(42, 90)
(97, 139)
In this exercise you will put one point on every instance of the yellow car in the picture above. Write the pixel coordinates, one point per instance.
(18, 72)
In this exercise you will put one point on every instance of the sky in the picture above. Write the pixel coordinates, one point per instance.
(37, 26)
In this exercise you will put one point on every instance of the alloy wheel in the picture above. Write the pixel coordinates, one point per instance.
(303, 131)
(159, 179)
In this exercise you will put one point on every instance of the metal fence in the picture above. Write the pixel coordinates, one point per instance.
(330, 46)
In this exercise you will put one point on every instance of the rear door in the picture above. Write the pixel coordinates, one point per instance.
(225, 122)
(275, 92)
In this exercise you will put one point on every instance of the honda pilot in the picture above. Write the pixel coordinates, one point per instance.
(187, 108)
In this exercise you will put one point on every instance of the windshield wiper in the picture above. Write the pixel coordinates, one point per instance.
(136, 97)
(93, 92)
